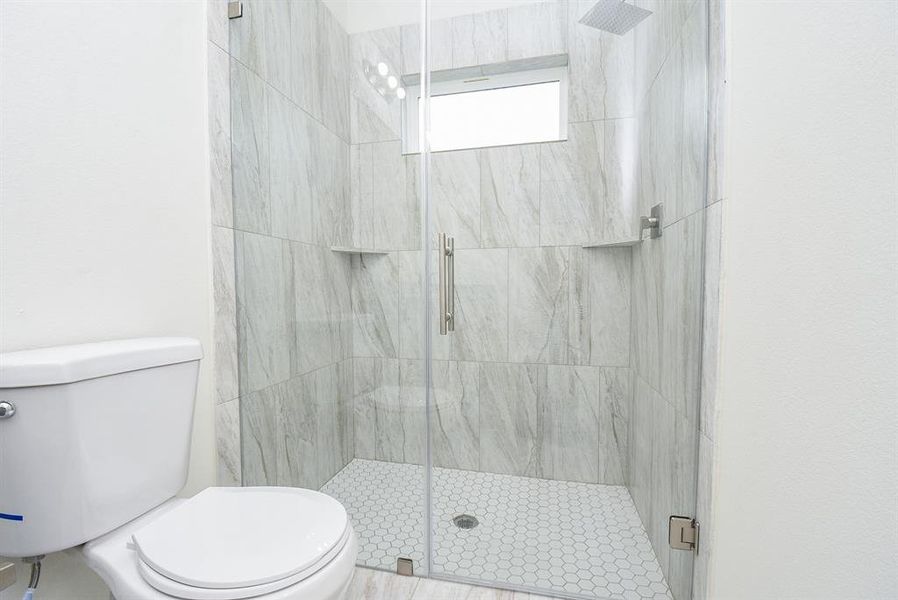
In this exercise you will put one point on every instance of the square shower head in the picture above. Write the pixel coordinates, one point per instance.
(615, 16)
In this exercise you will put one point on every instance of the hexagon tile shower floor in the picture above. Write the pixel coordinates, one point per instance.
(579, 538)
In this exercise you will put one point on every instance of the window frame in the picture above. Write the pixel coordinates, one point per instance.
(480, 82)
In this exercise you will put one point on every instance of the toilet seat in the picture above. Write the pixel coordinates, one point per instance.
(235, 543)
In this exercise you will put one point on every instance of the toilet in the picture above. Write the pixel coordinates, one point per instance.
(94, 446)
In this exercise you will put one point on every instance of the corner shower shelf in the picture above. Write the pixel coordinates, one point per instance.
(612, 244)
(348, 250)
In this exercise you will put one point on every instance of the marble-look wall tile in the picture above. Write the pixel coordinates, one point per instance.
(601, 67)
(509, 196)
(264, 310)
(258, 437)
(370, 378)
(694, 149)
(639, 447)
(297, 439)
(710, 319)
(704, 491)
(569, 423)
(249, 150)
(334, 425)
(321, 308)
(401, 417)
(614, 420)
(373, 118)
(362, 195)
(375, 305)
(224, 290)
(681, 314)
(217, 23)
(261, 40)
(609, 306)
(648, 269)
(572, 186)
(296, 182)
(481, 305)
(220, 135)
(666, 141)
(227, 443)
(332, 203)
(440, 46)
(455, 196)
(655, 38)
(679, 574)
(412, 310)
(307, 41)
(479, 38)
(455, 417)
(538, 313)
(509, 433)
(333, 72)
(537, 29)
(663, 481)
(620, 209)
(396, 216)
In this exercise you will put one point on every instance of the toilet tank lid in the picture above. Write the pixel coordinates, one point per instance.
(67, 364)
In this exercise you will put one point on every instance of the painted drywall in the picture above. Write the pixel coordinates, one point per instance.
(367, 15)
(104, 202)
(806, 478)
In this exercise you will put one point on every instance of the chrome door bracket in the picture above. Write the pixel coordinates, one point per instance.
(652, 222)
(683, 533)
(235, 10)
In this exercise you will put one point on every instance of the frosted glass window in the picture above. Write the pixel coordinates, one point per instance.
(513, 108)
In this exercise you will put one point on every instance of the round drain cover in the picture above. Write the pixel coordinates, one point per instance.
(465, 521)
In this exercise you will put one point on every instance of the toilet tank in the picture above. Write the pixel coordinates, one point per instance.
(100, 434)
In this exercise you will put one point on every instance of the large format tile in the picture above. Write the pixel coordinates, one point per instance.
(305, 60)
(455, 196)
(361, 184)
(568, 422)
(639, 447)
(296, 180)
(227, 443)
(455, 414)
(601, 70)
(710, 320)
(333, 72)
(614, 414)
(440, 46)
(297, 439)
(620, 208)
(481, 305)
(539, 282)
(479, 38)
(264, 310)
(681, 314)
(538, 29)
(509, 434)
(323, 315)
(224, 292)
(648, 270)
(220, 136)
(372, 117)
(375, 305)
(509, 196)
(609, 305)
(261, 40)
(258, 437)
(395, 217)
(414, 316)
(694, 140)
(249, 150)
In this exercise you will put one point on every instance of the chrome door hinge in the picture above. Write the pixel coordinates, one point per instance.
(235, 10)
(683, 533)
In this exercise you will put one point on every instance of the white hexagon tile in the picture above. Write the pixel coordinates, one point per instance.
(579, 539)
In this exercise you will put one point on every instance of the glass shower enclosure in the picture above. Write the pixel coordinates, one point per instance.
(468, 246)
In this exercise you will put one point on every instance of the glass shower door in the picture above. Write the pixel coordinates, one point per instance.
(563, 413)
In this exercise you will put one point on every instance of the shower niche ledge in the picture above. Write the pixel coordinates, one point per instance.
(351, 250)
(612, 243)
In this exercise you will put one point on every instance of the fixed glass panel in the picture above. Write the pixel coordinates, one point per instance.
(329, 251)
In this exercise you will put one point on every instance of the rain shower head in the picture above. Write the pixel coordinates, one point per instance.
(615, 16)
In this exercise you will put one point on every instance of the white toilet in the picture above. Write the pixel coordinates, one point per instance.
(94, 445)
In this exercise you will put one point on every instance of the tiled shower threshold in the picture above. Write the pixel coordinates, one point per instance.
(576, 539)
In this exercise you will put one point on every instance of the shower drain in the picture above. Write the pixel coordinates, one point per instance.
(465, 521)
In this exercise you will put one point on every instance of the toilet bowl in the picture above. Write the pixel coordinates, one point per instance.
(231, 543)
(94, 447)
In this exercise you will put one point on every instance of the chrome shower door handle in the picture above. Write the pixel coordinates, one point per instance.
(446, 289)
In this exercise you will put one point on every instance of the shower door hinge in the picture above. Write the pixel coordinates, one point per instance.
(683, 533)
(405, 566)
(235, 10)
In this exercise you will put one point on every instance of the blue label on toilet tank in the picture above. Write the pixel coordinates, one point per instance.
(9, 517)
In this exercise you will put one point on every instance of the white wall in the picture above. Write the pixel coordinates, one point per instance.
(104, 208)
(806, 476)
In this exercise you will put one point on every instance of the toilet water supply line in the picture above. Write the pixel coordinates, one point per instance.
(35, 575)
